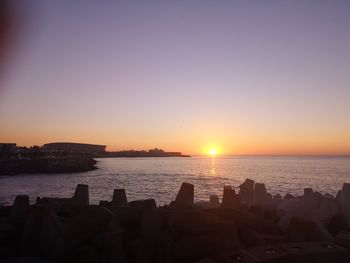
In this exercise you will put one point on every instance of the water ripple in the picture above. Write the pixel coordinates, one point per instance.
(160, 178)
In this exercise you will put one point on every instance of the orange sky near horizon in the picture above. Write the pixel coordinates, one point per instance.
(197, 143)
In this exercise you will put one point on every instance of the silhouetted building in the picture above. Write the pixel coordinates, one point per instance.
(8, 150)
(74, 147)
(8, 147)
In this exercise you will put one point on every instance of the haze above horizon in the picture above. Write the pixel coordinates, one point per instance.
(264, 77)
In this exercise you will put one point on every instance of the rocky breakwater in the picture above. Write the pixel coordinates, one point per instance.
(47, 164)
(248, 226)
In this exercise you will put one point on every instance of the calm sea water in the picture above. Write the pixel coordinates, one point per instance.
(160, 178)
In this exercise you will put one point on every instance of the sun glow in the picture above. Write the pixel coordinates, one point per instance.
(212, 151)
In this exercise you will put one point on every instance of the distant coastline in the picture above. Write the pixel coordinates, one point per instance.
(137, 154)
(63, 157)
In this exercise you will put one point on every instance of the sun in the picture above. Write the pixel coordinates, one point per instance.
(212, 151)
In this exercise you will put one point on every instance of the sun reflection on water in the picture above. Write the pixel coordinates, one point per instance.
(213, 166)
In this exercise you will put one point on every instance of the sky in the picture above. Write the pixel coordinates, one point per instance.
(244, 77)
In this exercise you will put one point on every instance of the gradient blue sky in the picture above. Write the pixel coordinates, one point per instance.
(243, 76)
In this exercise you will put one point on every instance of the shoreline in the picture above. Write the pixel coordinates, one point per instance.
(47, 165)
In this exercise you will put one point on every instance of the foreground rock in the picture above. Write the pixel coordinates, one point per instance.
(248, 226)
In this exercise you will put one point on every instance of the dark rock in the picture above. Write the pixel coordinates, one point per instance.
(129, 219)
(128, 215)
(308, 192)
(321, 252)
(108, 246)
(26, 260)
(230, 199)
(91, 221)
(214, 200)
(42, 234)
(308, 205)
(277, 196)
(138, 252)
(343, 239)
(235, 256)
(307, 230)
(53, 203)
(286, 210)
(5, 211)
(164, 247)
(288, 196)
(140, 232)
(338, 196)
(272, 204)
(69, 210)
(68, 207)
(136, 204)
(104, 203)
(226, 236)
(327, 195)
(81, 195)
(203, 205)
(6, 252)
(192, 222)
(212, 233)
(185, 196)
(150, 228)
(119, 198)
(249, 237)
(246, 192)
(188, 221)
(242, 216)
(8, 233)
(303, 208)
(84, 253)
(343, 199)
(150, 223)
(205, 260)
(327, 210)
(19, 209)
(346, 187)
(266, 253)
(212, 204)
(192, 248)
(271, 238)
(260, 194)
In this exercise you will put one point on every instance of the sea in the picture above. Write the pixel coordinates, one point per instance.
(161, 178)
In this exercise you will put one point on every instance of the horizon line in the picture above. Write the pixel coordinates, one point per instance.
(203, 154)
(273, 155)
